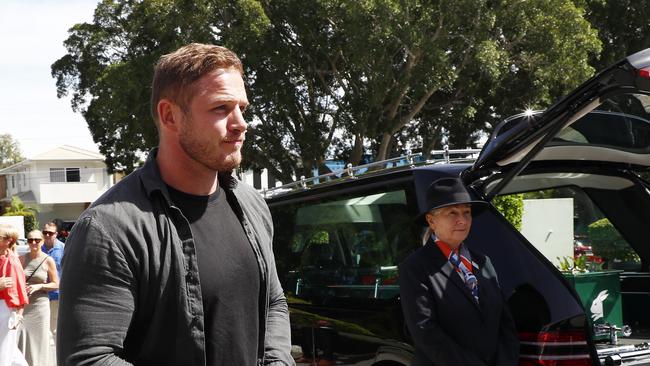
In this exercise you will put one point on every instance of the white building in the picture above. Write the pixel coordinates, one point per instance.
(260, 179)
(59, 183)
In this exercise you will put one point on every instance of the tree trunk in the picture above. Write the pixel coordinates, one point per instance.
(427, 146)
(383, 147)
(307, 169)
(357, 150)
(430, 137)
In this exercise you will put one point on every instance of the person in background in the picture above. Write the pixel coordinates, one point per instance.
(13, 296)
(174, 265)
(453, 306)
(41, 277)
(54, 248)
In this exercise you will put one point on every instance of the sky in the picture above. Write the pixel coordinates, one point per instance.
(31, 39)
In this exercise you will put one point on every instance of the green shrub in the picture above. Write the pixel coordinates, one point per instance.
(511, 207)
(18, 208)
(606, 242)
(579, 264)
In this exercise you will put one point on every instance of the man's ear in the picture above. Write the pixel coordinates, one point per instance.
(169, 114)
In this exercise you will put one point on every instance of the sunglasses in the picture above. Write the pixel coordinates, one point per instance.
(34, 240)
(48, 233)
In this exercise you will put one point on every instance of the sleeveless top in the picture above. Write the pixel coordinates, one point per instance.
(38, 277)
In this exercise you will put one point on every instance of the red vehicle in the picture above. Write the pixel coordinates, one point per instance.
(580, 248)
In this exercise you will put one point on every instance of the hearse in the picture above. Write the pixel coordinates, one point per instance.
(338, 242)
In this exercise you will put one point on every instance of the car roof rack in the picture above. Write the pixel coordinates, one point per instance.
(447, 156)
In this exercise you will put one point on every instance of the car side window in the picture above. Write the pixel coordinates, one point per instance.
(343, 247)
(564, 223)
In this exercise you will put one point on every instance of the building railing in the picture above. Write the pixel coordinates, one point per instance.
(53, 193)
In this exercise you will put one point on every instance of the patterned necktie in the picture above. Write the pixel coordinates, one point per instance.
(470, 280)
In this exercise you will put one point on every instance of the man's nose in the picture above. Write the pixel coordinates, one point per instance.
(237, 122)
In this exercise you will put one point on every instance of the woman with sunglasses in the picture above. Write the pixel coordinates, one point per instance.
(42, 277)
(13, 294)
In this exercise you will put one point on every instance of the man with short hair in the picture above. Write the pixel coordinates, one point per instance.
(55, 249)
(174, 265)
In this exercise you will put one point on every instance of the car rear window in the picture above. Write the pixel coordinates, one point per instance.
(621, 122)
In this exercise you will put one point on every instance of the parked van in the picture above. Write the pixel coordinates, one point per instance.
(338, 243)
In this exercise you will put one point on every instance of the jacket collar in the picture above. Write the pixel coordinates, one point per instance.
(442, 264)
(153, 182)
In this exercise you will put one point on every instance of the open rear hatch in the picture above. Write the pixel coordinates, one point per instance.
(598, 136)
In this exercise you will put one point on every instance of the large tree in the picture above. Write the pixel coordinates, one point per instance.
(332, 76)
(109, 67)
(385, 71)
(10, 153)
(622, 26)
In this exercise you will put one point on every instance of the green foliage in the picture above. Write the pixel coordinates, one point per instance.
(566, 264)
(18, 208)
(580, 264)
(332, 77)
(511, 207)
(539, 195)
(320, 237)
(619, 38)
(9, 151)
(109, 67)
(17, 205)
(606, 242)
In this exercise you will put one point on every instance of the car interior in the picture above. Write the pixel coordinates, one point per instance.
(599, 162)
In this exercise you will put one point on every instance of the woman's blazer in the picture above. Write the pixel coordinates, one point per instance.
(448, 327)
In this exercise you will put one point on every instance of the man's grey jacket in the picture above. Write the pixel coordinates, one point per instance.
(130, 292)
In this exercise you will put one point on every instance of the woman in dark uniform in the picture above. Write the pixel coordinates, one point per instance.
(453, 306)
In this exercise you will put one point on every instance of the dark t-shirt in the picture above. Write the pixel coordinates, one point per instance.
(229, 276)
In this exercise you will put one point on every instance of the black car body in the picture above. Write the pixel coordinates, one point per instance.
(337, 243)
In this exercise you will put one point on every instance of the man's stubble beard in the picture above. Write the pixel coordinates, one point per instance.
(206, 154)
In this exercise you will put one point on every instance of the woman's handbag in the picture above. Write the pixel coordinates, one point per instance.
(15, 320)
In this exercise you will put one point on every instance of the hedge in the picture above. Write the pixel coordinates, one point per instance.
(606, 242)
(511, 207)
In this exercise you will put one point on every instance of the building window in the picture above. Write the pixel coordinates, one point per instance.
(72, 175)
(58, 175)
(13, 181)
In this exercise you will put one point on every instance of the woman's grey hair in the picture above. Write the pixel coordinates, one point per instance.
(428, 233)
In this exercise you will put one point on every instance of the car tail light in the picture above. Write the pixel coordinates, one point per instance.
(645, 72)
(580, 362)
(554, 348)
